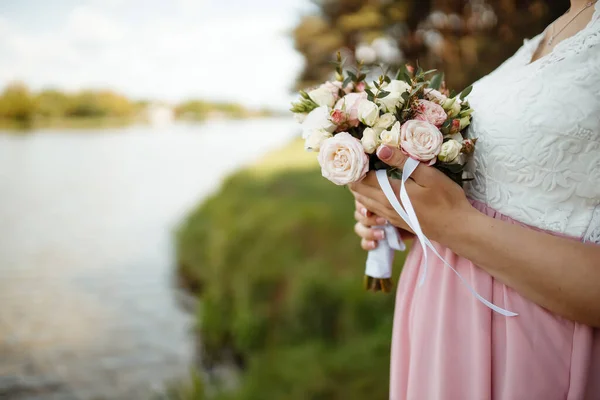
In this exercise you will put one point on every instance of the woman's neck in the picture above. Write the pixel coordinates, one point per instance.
(577, 5)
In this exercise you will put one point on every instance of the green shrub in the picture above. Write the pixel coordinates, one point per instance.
(279, 273)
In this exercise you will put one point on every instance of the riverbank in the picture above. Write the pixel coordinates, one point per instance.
(278, 270)
(90, 309)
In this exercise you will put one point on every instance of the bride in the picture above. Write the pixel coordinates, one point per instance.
(526, 237)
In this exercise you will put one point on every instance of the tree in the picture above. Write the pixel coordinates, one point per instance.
(465, 38)
(17, 103)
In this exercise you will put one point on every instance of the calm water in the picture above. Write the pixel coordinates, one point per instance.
(88, 308)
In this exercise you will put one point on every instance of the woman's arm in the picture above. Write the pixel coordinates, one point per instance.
(560, 274)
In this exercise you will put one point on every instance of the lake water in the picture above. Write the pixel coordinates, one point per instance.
(88, 308)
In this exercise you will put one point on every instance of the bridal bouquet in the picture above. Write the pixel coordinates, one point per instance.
(346, 120)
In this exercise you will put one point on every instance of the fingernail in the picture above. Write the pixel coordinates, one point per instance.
(380, 221)
(379, 234)
(371, 244)
(364, 212)
(384, 153)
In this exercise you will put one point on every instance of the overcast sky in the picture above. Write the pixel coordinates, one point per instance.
(161, 49)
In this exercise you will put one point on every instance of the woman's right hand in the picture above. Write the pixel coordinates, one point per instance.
(365, 220)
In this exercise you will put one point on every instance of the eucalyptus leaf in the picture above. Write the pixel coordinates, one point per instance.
(466, 92)
(382, 94)
(436, 81)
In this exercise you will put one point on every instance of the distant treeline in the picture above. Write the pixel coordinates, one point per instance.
(18, 103)
(199, 110)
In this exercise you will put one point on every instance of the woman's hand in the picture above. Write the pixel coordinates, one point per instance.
(439, 203)
(365, 221)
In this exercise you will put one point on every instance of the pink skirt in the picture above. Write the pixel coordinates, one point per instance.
(448, 346)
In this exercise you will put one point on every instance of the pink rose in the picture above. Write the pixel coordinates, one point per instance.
(421, 140)
(349, 104)
(361, 87)
(343, 159)
(455, 127)
(430, 112)
(338, 117)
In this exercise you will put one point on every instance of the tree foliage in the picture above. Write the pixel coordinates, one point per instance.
(472, 43)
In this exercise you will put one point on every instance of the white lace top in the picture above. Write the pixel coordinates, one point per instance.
(538, 155)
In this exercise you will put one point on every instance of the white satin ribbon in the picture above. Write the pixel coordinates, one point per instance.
(410, 217)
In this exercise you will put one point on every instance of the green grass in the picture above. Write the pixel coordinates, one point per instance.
(279, 271)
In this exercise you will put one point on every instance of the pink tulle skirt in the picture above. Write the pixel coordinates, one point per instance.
(448, 346)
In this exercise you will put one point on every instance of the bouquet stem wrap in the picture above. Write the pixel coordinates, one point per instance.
(378, 273)
(409, 216)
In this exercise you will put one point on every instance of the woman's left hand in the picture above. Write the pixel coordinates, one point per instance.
(439, 203)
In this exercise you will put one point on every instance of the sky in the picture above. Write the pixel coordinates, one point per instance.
(171, 50)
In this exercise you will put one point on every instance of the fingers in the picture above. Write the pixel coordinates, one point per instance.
(396, 158)
(368, 233)
(372, 220)
(368, 244)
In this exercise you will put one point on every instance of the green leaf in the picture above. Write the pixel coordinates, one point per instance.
(369, 92)
(395, 174)
(431, 71)
(352, 76)
(382, 94)
(362, 77)
(347, 81)
(436, 81)
(405, 96)
(387, 79)
(466, 92)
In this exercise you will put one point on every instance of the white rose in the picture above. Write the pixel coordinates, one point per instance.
(435, 96)
(318, 118)
(391, 137)
(385, 121)
(421, 140)
(368, 112)
(300, 117)
(450, 151)
(343, 159)
(396, 88)
(322, 96)
(315, 139)
(370, 140)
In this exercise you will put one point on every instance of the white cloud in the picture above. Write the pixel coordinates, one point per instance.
(194, 50)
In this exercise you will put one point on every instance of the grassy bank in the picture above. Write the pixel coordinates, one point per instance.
(276, 264)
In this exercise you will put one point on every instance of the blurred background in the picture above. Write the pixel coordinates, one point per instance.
(163, 235)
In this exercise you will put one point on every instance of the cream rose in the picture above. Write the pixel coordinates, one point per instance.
(385, 121)
(323, 96)
(343, 159)
(370, 140)
(319, 118)
(391, 137)
(396, 88)
(368, 112)
(349, 104)
(315, 139)
(421, 140)
(436, 96)
(450, 151)
(452, 106)
(464, 122)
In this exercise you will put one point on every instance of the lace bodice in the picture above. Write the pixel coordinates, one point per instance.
(538, 155)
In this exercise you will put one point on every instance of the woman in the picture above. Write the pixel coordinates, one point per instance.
(526, 238)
